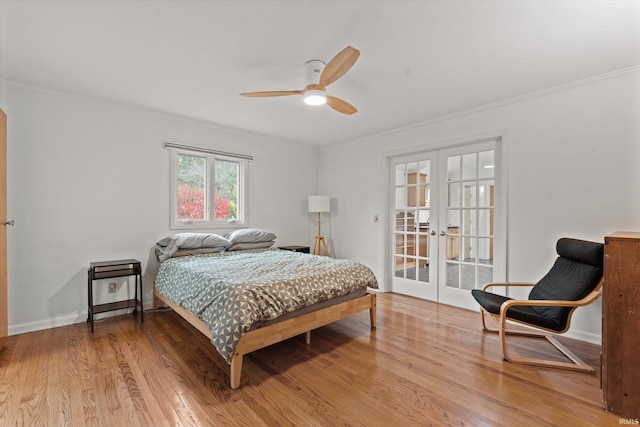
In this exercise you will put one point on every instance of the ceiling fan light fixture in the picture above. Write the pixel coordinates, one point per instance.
(315, 97)
(318, 76)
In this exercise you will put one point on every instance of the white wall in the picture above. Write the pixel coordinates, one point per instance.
(573, 170)
(88, 181)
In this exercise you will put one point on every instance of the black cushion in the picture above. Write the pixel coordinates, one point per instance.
(574, 275)
(492, 302)
(591, 253)
(568, 281)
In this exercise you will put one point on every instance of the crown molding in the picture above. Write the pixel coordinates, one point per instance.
(501, 103)
(142, 110)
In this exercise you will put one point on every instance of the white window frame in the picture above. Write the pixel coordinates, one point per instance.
(210, 157)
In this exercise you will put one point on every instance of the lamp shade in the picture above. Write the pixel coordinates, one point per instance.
(319, 204)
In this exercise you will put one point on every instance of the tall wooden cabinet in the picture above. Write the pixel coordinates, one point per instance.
(621, 324)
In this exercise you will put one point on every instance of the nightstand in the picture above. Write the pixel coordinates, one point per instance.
(107, 270)
(296, 248)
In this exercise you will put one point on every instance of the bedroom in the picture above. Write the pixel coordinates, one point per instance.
(88, 172)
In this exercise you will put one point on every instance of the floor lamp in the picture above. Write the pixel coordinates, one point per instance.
(319, 204)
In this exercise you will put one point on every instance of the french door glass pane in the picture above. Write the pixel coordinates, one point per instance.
(484, 222)
(453, 275)
(485, 193)
(485, 275)
(469, 166)
(468, 276)
(399, 244)
(485, 249)
(400, 173)
(486, 163)
(469, 199)
(469, 222)
(453, 168)
(453, 247)
(468, 249)
(401, 197)
(453, 219)
(454, 195)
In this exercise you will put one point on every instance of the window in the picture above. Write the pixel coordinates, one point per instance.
(208, 188)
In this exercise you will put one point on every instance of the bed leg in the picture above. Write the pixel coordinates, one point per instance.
(307, 337)
(372, 311)
(236, 370)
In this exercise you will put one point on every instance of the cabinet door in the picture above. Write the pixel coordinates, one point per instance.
(621, 323)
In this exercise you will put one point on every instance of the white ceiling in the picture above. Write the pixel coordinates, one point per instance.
(419, 59)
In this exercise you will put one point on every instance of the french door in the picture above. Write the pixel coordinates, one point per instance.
(414, 225)
(444, 222)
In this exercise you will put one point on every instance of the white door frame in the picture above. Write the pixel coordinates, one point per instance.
(501, 224)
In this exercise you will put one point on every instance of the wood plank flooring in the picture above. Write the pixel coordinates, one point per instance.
(425, 365)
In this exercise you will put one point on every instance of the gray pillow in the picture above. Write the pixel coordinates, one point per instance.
(168, 246)
(256, 245)
(198, 251)
(250, 235)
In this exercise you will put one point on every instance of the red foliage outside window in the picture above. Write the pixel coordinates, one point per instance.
(191, 203)
(222, 207)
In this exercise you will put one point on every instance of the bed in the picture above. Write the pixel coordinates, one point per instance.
(244, 300)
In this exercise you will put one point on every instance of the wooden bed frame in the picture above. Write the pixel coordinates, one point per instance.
(274, 333)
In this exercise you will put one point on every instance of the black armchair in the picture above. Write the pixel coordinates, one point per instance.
(574, 281)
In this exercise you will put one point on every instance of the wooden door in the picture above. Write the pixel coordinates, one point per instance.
(4, 321)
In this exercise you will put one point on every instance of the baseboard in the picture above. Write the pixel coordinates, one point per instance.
(40, 325)
(72, 318)
(584, 336)
(65, 320)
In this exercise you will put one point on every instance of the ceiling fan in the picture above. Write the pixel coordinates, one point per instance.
(317, 77)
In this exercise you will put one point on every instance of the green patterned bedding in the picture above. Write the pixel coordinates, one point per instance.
(230, 291)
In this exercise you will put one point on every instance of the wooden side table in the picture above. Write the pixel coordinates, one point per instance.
(110, 269)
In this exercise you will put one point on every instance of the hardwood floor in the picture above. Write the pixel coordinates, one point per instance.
(425, 364)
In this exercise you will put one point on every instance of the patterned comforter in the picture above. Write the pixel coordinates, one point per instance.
(230, 291)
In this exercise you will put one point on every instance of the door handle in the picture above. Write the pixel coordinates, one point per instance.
(442, 233)
(433, 232)
(10, 222)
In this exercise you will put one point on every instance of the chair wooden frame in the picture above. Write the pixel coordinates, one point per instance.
(576, 363)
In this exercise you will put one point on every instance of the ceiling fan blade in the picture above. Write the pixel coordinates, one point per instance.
(273, 93)
(339, 65)
(341, 105)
